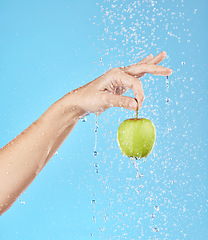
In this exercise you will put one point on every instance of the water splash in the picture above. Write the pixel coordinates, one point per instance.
(167, 83)
(136, 165)
(95, 153)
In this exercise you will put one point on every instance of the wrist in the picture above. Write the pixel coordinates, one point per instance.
(67, 110)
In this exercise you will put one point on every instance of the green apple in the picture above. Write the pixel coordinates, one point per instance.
(136, 137)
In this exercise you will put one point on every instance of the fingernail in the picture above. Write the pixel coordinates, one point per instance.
(170, 71)
(133, 104)
(164, 52)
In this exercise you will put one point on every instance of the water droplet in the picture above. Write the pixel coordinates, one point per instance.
(167, 100)
(169, 130)
(7, 172)
(84, 119)
(153, 215)
(94, 219)
(96, 128)
(183, 63)
(138, 175)
(22, 202)
(141, 175)
(56, 153)
(156, 208)
(137, 190)
(155, 229)
(96, 170)
(93, 201)
(95, 153)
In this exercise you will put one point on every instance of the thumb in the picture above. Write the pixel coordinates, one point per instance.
(121, 101)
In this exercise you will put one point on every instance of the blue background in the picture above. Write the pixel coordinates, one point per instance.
(48, 48)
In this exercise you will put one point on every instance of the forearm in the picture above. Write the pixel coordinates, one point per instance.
(24, 157)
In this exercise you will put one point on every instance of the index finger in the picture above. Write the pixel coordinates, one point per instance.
(148, 68)
(144, 60)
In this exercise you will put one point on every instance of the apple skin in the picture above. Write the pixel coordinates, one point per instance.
(136, 137)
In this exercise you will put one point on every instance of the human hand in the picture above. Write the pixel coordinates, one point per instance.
(107, 90)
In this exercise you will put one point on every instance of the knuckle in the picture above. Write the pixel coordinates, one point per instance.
(141, 97)
(115, 70)
(126, 102)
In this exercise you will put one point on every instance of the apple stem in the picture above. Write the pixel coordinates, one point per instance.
(136, 109)
(137, 113)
